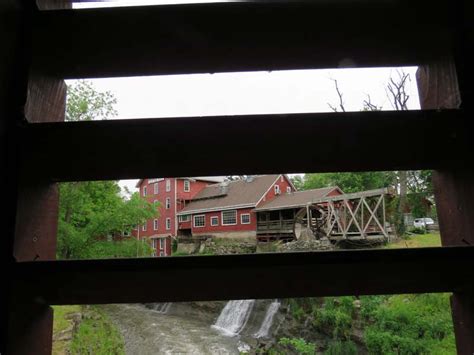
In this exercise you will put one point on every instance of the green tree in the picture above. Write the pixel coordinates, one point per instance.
(350, 182)
(91, 211)
(85, 103)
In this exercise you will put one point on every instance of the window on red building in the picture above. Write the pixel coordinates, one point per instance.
(245, 218)
(187, 185)
(168, 223)
(155, 224)
(144, 190)
(155, 188)
(199, 221)
(168, 203)
(229, 218)
(168, 185)
(214, 221)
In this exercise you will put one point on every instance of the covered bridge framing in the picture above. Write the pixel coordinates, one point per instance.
(42, 48)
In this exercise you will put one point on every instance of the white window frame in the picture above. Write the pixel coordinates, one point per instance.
(187, 184)
(276, 189)
(241, 219)
(168, 203)
(154, 246)
(126, 233)
(162, 244)
(155, 224)
(156, 189)
(214, 218)
(144, 191)
(144, 227)
(168, 185)
(199, 216)
(288, 189)
(168, 224)
(162, 253)
(184, 218)
(223, 219)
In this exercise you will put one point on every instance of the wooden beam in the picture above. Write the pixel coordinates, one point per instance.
(357, 272)
(241, 36)
(203, 146)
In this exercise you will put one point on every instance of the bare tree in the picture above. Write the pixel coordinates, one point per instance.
(396, 91)
(369, 106)
(341, 102)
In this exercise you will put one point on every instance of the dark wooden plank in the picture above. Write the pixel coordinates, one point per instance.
(202, 146)
(453, 188)
(281, 275)
(241, 36)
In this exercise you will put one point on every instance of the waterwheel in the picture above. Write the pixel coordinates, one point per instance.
(316, 225)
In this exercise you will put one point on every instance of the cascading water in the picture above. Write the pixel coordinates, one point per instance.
(268, 320)
(234, 316)
(162, 307)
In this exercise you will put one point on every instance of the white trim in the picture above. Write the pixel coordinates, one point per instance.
(156, 188)
(184, 185)
(144, 225)
(215, 217)
(180, 219)
(245, 214)
(214, 209)
(167, 185)
(175, 206)
(144, 191)
(194, 220)
(228, 224)
(271, 185)
(288, 189)
(155, 221)
(168, 223)
(276, 189)
(168, 203)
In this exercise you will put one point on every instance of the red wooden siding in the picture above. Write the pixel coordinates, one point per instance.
(239, 227)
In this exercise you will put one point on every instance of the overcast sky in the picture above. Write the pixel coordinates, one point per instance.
(295, 91)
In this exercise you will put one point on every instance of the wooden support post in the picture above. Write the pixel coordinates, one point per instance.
(454, 190)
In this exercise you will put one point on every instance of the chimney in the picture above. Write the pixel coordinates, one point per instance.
(224, 187)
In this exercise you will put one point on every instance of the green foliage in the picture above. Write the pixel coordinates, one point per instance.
(91, 211)
(418, 230)
(174, 245)
(341, 348)
(411, 324)
(350, 182)
(336, 315)
(84, 103)
(299, 344)
(298, 182)
(97, 335)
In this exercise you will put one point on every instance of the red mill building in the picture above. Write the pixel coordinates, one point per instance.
(209, 206)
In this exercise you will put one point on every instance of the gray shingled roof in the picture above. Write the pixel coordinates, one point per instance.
(296, 199)
(238, 193)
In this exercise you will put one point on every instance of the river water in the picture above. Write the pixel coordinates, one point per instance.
(146, 331)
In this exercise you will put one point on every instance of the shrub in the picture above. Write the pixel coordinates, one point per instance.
(411, 324)
(299, 344)
(341, 348)
(336, 314)
(418, 230)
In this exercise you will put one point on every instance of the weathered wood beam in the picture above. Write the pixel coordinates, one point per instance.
(241, 36)
(202, 146)
(204, 278)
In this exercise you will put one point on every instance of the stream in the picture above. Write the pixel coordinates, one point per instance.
(146, 331)
(166, 328)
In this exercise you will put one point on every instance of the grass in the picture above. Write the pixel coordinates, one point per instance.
(418, 241)
(61, 323)
(97, 335)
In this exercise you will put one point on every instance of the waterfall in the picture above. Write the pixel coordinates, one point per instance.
(268, 320)
(162, 307)
(234, 316)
